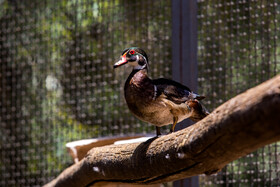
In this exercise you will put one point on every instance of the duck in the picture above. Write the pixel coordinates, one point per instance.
(161, 101)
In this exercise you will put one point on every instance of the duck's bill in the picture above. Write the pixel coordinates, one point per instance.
(121, 62)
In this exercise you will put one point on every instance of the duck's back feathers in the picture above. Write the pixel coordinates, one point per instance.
(174, 91)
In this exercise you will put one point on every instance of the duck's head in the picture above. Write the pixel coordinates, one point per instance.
(135, 57)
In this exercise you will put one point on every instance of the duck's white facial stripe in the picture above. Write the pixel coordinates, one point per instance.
(146, 65)
(144, 58)
(136, 65)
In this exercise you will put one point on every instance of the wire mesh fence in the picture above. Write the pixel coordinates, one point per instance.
(57, 79)
(238, 49)
(57, 83)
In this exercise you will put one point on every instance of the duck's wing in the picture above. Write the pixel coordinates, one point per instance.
(174, 91)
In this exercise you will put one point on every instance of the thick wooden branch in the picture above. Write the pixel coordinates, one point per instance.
(239, 126)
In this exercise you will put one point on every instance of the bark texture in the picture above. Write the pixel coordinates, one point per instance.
(239, 126)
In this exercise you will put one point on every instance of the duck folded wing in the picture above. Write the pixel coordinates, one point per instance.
(175, 91)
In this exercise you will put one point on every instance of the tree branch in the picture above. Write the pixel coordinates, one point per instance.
(239, 126)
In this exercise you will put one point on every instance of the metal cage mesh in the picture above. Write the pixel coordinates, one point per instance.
(238, 48)
(57, 83)
(57, 80)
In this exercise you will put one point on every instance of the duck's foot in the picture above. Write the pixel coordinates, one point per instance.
(175, 119)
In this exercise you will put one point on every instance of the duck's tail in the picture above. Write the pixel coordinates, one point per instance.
(198, 110)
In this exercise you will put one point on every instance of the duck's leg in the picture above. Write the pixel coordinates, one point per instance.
(175, 119)
(158, 131)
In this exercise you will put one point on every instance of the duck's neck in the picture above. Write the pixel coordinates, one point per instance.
(137, 77)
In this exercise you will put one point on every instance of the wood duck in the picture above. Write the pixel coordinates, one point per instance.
(158, 101)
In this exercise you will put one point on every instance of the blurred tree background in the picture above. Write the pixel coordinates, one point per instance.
(57, 83)
(57, 79)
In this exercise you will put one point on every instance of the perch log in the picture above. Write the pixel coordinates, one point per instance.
(239, 126)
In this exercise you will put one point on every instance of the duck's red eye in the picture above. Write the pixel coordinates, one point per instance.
(132, 52)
